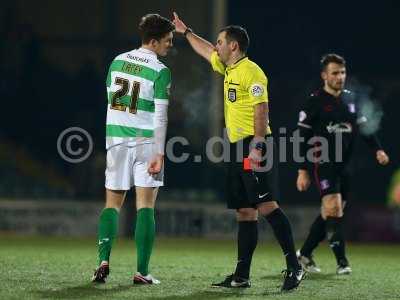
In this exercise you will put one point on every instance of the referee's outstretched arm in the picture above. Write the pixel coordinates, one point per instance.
(260, 119)
(201, 46)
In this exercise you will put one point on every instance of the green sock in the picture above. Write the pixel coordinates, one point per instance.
(144, 238)
(108, 228)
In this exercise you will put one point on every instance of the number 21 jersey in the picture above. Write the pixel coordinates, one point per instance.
(136, 81)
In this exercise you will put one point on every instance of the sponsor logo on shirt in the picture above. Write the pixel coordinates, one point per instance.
(137, 58)
(339, 127)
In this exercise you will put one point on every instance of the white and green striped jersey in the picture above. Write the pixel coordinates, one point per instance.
(136, 80)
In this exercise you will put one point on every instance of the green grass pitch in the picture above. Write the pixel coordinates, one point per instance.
(54, 268)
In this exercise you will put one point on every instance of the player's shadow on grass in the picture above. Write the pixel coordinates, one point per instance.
(80, 291)
(328, 276)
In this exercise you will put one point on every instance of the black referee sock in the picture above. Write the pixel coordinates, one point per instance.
(317, 234)
(335, 235)
(247, 243)
(283, 233)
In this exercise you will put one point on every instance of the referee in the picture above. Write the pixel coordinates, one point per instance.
(252, 188)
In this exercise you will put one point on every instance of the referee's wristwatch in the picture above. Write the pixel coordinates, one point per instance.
(259, 146)
(188, 30)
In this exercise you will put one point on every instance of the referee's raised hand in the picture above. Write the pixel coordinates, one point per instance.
(180, 27)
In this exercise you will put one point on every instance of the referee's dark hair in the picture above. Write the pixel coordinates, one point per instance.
(238, 34)
(154, 26)
(331, 58)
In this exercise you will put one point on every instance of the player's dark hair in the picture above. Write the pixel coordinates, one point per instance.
(153, 26)
(331, 58)
(238, 34)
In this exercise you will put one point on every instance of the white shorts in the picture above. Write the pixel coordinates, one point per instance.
(127, 167)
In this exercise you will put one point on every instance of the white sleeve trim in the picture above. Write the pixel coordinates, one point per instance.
(304, 125)
(160, 124)
(160, 101)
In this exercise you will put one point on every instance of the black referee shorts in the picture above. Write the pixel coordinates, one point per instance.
(248, 188)
(332, 178)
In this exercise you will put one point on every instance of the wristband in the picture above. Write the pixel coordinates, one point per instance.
(188, 30)
(259, 146)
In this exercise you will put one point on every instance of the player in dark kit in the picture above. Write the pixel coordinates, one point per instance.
(331, 117)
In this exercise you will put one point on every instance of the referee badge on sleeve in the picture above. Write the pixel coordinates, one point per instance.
(232, 95)
(257, 90)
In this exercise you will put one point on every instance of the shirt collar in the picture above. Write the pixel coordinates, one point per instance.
(330, 95)
(147, 51)
(240, 61)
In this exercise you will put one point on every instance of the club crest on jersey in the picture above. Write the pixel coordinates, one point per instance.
(352, 107)
(257, 90)
(232, 95)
